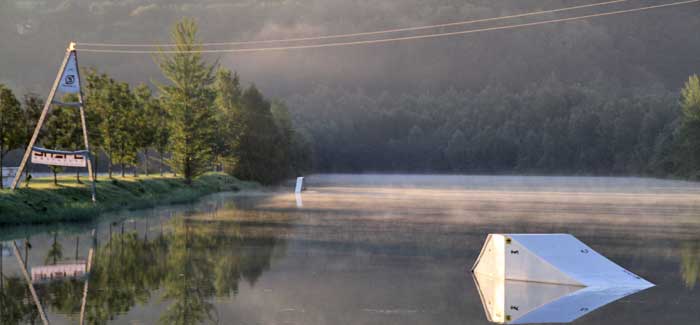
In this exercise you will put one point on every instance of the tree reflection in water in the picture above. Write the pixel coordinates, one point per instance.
(187, 280)
(192, 263)
(690, 263)
(55, 252)
(187, 265)
(15, 307)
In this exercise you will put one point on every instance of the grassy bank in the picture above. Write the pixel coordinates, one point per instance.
(45, 202)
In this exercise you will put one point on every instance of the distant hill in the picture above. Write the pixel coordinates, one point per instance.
(657, 48)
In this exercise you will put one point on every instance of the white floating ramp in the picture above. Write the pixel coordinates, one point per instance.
(547, 278)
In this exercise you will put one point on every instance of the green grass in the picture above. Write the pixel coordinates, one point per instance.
(44, 202)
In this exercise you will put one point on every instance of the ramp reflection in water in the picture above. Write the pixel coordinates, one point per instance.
(547, 278)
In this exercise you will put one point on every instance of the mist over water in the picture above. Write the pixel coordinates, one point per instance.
(370, 249)
(517, 182)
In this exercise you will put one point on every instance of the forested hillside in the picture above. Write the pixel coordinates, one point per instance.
(547, 128)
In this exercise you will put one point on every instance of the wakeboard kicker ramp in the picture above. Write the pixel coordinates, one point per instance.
(547, 278)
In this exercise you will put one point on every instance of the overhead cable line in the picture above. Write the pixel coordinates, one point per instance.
(388, 40)
(378, 32)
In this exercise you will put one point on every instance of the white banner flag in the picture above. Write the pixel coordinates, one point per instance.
(67, 159)
(70, 83)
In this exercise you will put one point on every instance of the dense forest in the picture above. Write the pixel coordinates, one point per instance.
(548, 128)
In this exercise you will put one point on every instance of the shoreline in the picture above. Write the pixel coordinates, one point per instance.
(43, 202)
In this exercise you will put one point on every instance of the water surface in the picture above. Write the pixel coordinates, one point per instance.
(370, 249)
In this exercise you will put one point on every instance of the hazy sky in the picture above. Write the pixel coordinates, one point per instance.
(659, 48)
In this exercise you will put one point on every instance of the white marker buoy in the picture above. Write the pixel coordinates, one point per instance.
(300, 185)
(547, 278)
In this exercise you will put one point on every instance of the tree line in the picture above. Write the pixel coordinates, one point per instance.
(201, 119)
(548, 128)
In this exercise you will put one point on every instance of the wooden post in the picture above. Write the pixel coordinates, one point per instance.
(27, 278)
(83, 303)
(88, 269)
(40, 123)
(71, 48)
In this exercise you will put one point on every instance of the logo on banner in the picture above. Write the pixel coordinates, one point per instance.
(69, 81)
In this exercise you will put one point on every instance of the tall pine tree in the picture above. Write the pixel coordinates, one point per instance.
(189, 101)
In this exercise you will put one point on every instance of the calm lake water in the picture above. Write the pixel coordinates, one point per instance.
(369, 249)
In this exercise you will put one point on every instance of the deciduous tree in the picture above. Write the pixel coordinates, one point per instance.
(690, 126)
(259, 153)
(11, 125)
(228, 119)
(31, 110)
